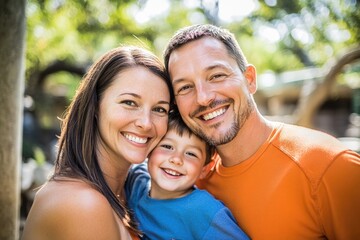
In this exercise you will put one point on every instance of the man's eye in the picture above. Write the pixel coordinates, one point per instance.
(217, 76)
(184, 90)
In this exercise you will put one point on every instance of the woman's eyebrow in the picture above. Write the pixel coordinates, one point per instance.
(130, 93)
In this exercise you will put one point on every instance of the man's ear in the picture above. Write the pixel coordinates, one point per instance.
(250, 75)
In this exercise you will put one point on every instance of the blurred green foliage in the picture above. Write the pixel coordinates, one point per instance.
(275, 35)
(39, 156)
(80, 30)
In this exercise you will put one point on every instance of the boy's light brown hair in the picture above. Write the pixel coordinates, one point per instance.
(176, 123)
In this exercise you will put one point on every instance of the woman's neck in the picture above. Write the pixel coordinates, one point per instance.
(115, 173)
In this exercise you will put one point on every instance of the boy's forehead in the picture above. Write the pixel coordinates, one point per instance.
(184, 136)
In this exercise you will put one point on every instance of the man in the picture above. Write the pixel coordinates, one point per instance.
(280, 181)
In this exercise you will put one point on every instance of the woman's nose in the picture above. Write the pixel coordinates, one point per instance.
(144, 121)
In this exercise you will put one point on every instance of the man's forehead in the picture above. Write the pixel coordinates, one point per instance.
(196, 49)
(199, 55)
(198, 45)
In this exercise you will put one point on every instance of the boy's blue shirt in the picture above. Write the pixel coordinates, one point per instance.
(197, 215)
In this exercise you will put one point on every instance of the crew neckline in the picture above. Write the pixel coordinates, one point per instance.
(246, 164)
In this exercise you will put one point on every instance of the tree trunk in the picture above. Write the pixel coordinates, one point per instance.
(12, 32)
(313, 95)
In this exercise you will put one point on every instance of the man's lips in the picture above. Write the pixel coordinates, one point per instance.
(214, 114)
(215, 109)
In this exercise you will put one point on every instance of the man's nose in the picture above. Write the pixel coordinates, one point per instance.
(204, 94)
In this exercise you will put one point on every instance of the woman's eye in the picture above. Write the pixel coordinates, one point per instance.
(161, 110)
(128, 102)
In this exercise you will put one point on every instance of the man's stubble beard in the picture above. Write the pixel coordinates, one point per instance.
(237, 124)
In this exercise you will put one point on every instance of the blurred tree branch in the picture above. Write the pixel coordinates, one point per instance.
(313, 96)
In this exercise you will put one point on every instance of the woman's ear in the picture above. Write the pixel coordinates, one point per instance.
(250, 75)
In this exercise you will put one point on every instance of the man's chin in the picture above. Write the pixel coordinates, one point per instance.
(219, 137)
(214, 139)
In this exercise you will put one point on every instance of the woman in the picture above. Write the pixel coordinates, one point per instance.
(117, 117)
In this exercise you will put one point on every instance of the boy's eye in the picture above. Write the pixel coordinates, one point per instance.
(191, 154)
(167, 146)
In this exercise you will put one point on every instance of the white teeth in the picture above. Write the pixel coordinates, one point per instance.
(172, 172)
(135, 138)
(214, 114)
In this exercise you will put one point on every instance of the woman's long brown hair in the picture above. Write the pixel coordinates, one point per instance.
(77, 143)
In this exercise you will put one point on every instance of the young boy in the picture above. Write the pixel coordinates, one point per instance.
(167, 205)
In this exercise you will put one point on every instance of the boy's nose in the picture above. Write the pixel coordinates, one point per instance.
(176, 160)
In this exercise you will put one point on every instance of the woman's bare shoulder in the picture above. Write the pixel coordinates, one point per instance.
(70, 192)
(71, 210)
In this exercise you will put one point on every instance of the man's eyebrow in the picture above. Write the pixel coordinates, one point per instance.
(218, 65)
(177, 81)
(224, 66)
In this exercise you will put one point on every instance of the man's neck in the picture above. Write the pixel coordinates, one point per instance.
(249, 139)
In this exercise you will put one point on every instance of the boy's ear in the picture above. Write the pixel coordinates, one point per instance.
(206, 169)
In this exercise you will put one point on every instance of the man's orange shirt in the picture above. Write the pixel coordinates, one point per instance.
(301, 184)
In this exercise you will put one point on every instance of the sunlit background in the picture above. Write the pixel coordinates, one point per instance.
(296, 47)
